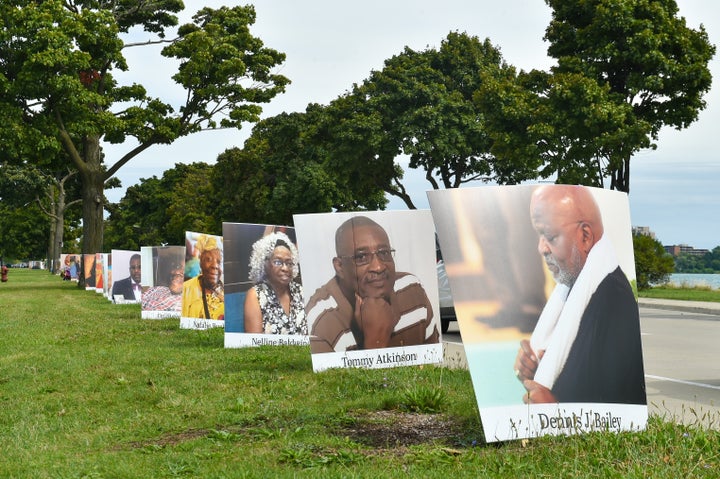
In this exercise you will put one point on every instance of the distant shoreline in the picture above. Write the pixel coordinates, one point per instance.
(691, 280)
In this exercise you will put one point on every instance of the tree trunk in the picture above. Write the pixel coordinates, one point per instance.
(93, 196)
(92, 178)
(52, 209)
(403, 196)
(626, 185)
(56, 212)
(92, 209)
(620, 176)
(51, 246)
(92, 206)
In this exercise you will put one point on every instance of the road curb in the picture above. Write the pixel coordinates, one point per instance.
(712, 309)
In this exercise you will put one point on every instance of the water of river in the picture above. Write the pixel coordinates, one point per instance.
(684, 279)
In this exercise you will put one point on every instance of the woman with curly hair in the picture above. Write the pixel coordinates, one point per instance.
(274, 305)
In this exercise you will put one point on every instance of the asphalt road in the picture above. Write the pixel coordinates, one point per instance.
(682, 372)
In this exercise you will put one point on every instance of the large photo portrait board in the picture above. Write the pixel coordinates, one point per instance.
(88, 265)
(107, 276)
(203, 294)
(264, 301)
(126, 285)
(371, 291)
(71, 266)
(163, 275)
(542, 279)
(100, 272)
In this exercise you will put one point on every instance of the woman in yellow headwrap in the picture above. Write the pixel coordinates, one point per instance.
(203, 296)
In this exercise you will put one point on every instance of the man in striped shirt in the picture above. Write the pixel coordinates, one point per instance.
(367, 304)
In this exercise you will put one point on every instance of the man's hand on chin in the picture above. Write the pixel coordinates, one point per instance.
(374, 317)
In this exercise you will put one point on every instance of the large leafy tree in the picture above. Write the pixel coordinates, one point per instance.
(241, 185)
(53, 191)
(649, 63)
(24, 233)
(652, 263)
(421, 104)
(158, 211)
(193, 204)
(58, 90)
(544, 124)
(287, 166)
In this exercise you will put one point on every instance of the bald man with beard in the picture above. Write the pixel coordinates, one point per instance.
(586, 345)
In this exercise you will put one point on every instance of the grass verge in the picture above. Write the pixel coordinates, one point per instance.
(683, 293)
(90, 390)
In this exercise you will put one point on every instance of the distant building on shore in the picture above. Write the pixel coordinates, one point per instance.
(676, 249)
(643, 230)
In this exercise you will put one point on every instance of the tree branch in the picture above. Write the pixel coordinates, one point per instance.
(401, 193)
(149, 42)
(42, 208)
(128, 156)
(68, 143)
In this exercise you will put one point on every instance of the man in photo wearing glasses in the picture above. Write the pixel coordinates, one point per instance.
(367, 304)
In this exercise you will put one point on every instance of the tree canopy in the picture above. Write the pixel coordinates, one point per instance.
(459, 112)
(58, 90)
(653, 264)
(158, 211)
(651, 68)
(49, 193)
(690, 263)
(287, 166)
(421, 105)
(24, 233)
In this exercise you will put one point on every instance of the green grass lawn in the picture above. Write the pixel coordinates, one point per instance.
(685, 293)
(90, 390)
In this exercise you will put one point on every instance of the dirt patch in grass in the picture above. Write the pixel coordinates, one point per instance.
(171, 439)
(390, 429)
(377, 429)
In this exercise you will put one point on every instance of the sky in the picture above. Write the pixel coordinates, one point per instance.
(331, 44)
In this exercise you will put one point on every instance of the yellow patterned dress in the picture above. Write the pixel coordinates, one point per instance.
(193, 305)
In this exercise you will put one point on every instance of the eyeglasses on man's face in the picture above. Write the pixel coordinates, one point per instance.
(278, 263)
(365, 257)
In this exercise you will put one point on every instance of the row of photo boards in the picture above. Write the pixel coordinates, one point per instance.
(542, 281)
